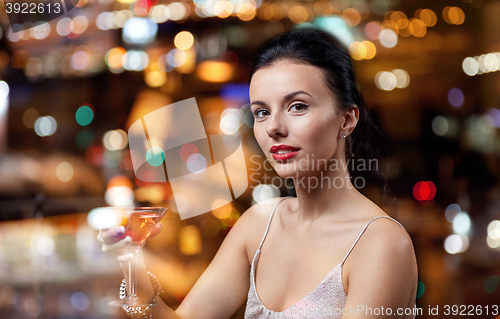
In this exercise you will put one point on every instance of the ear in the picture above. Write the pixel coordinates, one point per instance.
(351, 117)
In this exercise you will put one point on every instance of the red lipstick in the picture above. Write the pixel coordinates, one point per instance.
(283, 152)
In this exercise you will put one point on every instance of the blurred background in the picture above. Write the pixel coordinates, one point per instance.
(71, 87)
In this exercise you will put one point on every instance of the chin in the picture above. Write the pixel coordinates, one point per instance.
(288, 173)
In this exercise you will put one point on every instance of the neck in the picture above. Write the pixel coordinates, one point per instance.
(325, 194)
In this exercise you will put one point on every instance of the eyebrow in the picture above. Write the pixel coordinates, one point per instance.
(286, 97)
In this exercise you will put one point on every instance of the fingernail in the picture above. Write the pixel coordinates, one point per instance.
(120, 230)
(127, 240)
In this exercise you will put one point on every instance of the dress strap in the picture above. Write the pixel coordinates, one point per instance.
(270, 218)
(359, 236)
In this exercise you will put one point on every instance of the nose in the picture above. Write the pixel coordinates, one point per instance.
(276, 126)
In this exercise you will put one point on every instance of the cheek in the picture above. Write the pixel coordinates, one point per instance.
(319, 137)
(259, 134)
(318, 126)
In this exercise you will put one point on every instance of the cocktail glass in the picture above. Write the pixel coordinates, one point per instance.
(139, 222)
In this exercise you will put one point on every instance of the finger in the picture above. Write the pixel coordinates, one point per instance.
(118, 245)
(156, 230)
(111, 235)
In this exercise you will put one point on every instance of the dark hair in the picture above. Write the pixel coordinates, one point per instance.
(317, 48)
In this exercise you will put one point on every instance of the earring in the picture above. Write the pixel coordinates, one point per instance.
(343, 135)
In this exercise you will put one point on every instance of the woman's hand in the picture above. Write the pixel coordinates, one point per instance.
(115, 241)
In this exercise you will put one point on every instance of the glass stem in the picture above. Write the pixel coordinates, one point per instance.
(129, 267)
(132, 275)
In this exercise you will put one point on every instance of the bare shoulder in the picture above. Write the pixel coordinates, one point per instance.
(384, 234)
(388, 231)
(382, 268)
(385, 237)
(385, 244)
(254, 221)
(260, 212)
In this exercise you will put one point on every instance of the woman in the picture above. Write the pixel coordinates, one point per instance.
(312, 256)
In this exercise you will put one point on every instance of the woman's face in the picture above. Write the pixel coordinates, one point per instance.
(295, 112)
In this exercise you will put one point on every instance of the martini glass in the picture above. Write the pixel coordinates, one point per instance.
(139, 222)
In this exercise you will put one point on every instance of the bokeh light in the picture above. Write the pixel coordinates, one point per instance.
(453, 15)
(141, 7)
(427, 16)
(84, 139)
(135, 60)
(221, 208)
(80, 24)
(420, 289)
(470, 66)
(45, 245)
(178, 11)
(196, 163)
(4, 90)
(115, 140)
(119, 196)
(456, 243)
(491, 284)
(155, 78)
(451, 211)
(105, 21)
(190, 240)
(187, 150)
(64, 171)
(111, 158)
(93, 155)
(424, 191)
(45, 126)
(80, 59)
(64, 26)
(402, 78)
(494, 229)
(440, 125)
(214, 71)
(247, 12)
(298, 14)
(388, 38)
(351, 17)
(372, 30)
(455, 97)
(139, 30)
(231, 120)
(84, 115)
(41, 30)
(418, 28)
(80, 300)
(15, 33)
(159, 13)
(183, 40)
(462, 223)
(114, 58)
(264, 192)
(357, 50)
(29, 117)
(386, 81)
(155, 156)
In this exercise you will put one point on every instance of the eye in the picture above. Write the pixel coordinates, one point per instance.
(260, 113)
(299, 107)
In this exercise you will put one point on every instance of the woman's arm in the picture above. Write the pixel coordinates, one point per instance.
(223, 286)
(382, 274)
